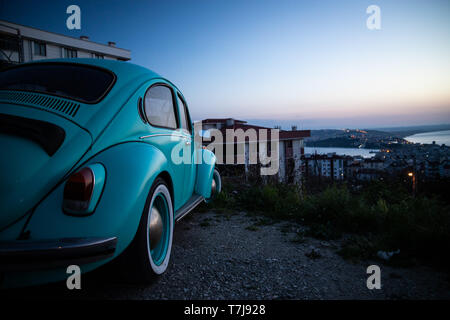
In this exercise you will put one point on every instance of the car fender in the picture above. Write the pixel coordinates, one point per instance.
(131, 169)
(205, 171)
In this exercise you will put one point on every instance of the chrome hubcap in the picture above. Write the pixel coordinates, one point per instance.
(156, 227)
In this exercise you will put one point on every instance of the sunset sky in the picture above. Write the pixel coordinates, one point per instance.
(311, 63)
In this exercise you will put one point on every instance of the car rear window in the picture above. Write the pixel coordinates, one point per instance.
(83, 83)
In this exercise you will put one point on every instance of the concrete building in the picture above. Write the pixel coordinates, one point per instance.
(444, 169)
(330, 166)
(373, 164)
(367, 174)
(290, 146)
(371, 169)
(432, 169)
(352, 168)
(20, 44)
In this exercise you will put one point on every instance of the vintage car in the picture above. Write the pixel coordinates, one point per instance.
(98, 161)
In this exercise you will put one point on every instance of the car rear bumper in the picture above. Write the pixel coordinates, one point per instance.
(48, 254)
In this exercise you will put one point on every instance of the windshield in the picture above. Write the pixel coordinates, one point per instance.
(73, 81)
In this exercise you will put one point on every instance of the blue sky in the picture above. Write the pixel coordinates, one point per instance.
(310, 63)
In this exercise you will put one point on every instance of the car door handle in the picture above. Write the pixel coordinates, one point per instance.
(188, 143)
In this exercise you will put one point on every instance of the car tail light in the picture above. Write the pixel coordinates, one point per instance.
(83, 190)
(78, 191)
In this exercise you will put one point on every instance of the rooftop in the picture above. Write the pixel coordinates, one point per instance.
(56, 38)
(231, 123)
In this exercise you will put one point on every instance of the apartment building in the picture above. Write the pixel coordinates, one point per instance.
(290, 146)
(324, 165)
(20, 44)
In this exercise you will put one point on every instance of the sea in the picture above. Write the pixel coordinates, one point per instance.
(440, 137)
(365, 153)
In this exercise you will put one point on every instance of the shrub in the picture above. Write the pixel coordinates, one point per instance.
(325, 231)
(358, 247)
(419, 227)
(327, 206)
(276, 201)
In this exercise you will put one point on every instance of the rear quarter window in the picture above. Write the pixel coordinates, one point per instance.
(159, 107)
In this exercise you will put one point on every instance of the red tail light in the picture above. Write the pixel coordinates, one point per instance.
(78, 191)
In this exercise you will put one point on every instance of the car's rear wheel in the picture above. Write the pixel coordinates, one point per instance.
(216, 185)
(149, 254)
(159, 229)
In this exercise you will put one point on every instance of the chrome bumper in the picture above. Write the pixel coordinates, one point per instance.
(48, 254)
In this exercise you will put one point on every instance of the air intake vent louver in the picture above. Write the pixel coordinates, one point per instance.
(52, 103)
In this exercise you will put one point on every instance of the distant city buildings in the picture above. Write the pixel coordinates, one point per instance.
(427, 162)
(324, 165)
(20, 44)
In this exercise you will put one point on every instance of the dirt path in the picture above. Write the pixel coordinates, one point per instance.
(218, 256)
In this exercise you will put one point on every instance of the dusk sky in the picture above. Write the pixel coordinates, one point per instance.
(311, 63)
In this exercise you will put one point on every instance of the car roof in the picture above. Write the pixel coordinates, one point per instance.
(116, 66)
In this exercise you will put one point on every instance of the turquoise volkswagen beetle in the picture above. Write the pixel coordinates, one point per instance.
(98, 161)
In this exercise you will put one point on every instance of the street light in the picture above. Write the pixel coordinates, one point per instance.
(411, 174)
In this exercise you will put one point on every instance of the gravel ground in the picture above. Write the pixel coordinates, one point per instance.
(219, 256)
